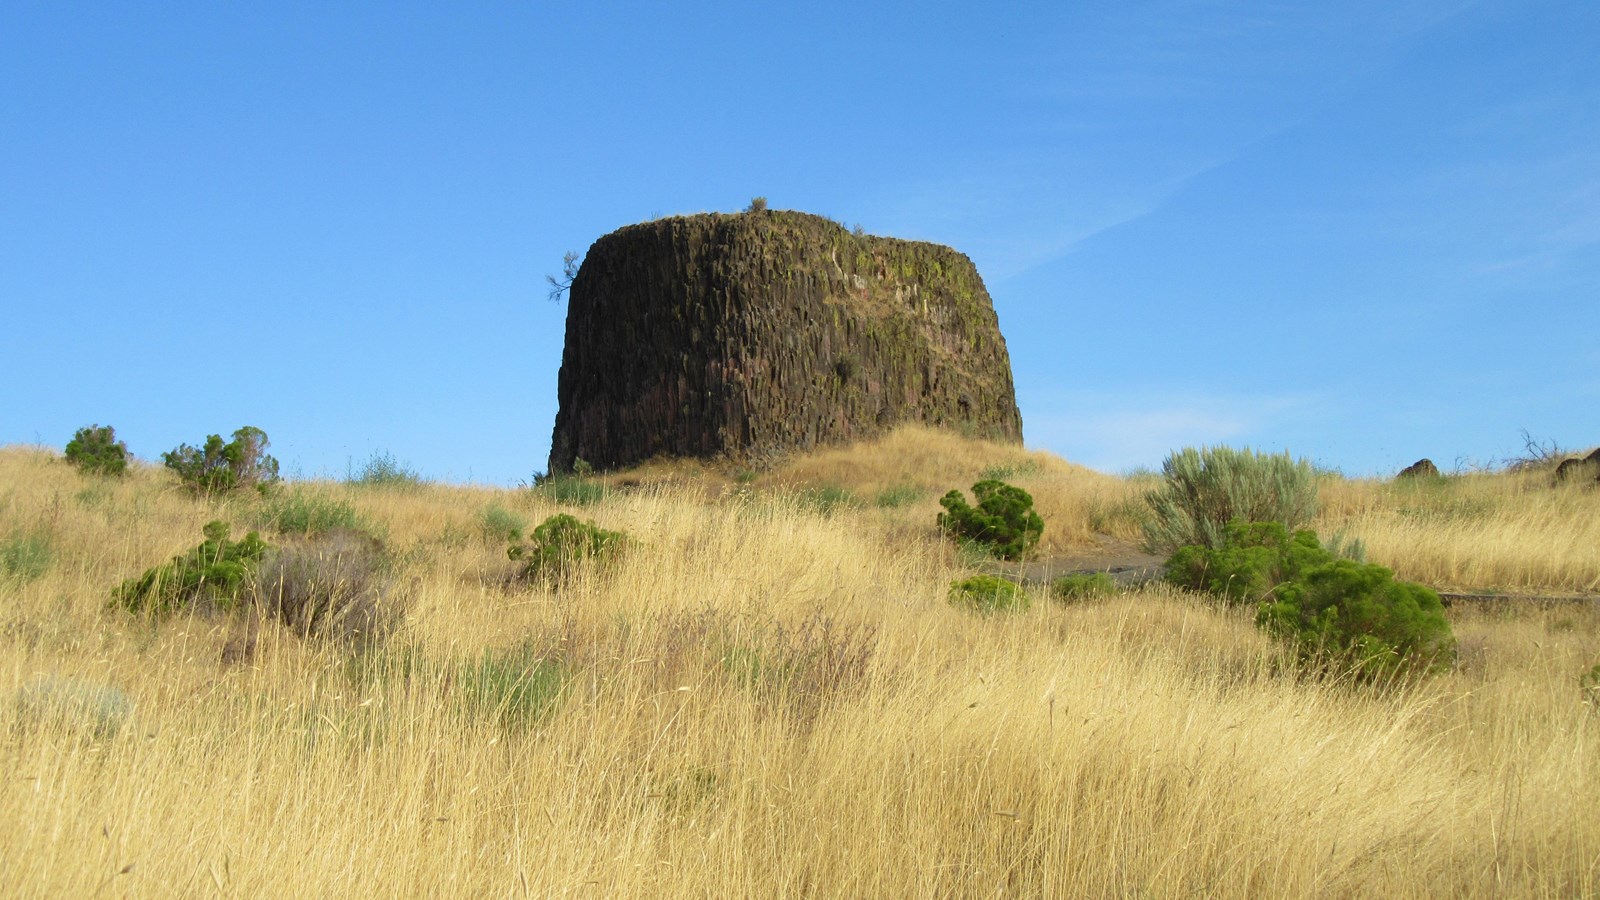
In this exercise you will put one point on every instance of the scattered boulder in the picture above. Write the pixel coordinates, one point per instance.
(1422, 468)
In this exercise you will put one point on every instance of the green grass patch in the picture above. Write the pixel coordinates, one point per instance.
(499, 525)
(1003, 471)
(512, 688)
(307, 512)
(570, 490)
(827, 499)
(26, 556)
(896, 496)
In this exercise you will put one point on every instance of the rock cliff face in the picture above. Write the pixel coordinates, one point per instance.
(744, 336)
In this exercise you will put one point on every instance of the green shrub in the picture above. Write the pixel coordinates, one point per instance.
(1003, 521)
(95, 450)
(309, 513)
(25, 557)
(562, 543)
(1338, 614)
(1346, 613)
(1589, 684)
(989, 594)
(382, 470)
(1203, 490)
(499, 525)
(1081, 586)
(214, 572)
(1253, 559)
(218, 468)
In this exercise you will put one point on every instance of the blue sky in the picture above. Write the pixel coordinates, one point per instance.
(1364, 232)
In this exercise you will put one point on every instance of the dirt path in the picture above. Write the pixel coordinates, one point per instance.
(1122, 560)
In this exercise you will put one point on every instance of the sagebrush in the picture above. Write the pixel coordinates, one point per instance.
(332, 586)
(1204, 489)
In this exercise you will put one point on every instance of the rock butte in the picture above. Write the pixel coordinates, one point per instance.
(744, 336)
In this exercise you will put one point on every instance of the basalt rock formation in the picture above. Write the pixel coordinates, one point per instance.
(744, 336)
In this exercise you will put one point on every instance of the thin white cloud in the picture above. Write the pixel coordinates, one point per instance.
(1118, 431)
(1536, 213)
(1028, 212)
(1186, 88)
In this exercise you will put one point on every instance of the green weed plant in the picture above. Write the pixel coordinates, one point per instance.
(989, 594)
(562, 544)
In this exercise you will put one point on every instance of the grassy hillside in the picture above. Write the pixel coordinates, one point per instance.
(768, 695)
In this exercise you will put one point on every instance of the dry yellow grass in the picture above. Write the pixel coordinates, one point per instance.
(1076, 503)
(761, 700)
(1513, 532)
